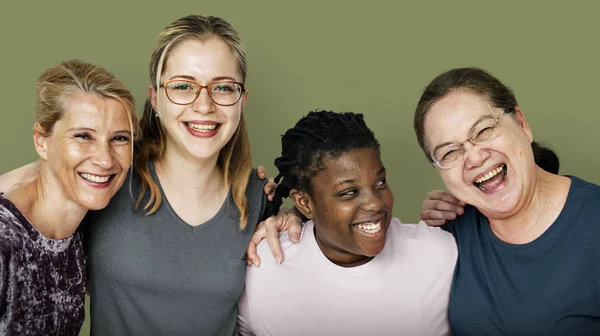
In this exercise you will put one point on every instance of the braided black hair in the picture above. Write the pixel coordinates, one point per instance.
(318, 136)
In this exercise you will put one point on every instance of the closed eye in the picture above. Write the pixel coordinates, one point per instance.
(85, 136)
(450, 155)
(121, 138)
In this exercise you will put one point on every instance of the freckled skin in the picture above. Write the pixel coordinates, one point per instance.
(94, 137)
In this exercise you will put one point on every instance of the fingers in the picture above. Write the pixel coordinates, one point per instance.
(261, 172)
(444, 196)
(260, 233)
(437, 216)
(273, 238)
(442, 206)
(270, 189)
(294, 228)
(435, 222)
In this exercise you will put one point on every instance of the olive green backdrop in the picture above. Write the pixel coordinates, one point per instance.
(372, 57)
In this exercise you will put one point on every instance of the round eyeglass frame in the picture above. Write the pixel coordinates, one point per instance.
(436, 162)
(201, 87)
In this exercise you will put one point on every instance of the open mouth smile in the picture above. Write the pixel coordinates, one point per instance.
(492, 179)
(370, 227)
(97, 179)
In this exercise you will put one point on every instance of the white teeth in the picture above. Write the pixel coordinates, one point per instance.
(491, 174)
(370, 227)
(95, 178)
(202, 128)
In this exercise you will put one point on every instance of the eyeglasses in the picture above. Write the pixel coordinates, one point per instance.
(184, 92)
(450, 155)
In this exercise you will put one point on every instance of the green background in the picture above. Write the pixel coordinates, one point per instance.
(373, 57)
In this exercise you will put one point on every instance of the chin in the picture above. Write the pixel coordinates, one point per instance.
(94, 203)
(372, 251)
(204, 153)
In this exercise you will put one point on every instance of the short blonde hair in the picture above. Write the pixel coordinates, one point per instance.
(59, 83)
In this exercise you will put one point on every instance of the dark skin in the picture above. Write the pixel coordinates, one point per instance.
(351, 193)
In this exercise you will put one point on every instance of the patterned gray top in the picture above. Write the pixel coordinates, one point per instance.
(42, 280)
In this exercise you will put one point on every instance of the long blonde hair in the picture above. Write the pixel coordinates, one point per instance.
(235, 159)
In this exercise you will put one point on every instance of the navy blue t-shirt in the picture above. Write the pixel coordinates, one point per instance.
(550, 286)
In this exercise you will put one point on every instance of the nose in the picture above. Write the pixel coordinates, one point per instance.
(373, 202)
(103, 156)
(203, 104)
(475, 156)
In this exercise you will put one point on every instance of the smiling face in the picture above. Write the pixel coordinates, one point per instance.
(498, 176)
(351, 206)
(88, 151)
(200, 129)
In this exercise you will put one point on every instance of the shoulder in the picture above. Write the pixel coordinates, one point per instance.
(11, 229)
(257, 200)
(466, 222)
(584, 190)
(424, 234)
(255, 185)
(583, 202)
(290, 249)
(421, 237)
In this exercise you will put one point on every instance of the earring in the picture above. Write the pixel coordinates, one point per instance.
(156, 115)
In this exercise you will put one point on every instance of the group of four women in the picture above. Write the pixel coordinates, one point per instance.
(165, 210)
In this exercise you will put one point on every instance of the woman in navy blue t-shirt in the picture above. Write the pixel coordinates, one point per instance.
(528, 238)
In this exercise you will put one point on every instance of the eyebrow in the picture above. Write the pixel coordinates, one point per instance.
(80, 129)
(349, 181)
(470, 129)
(214, 79)
(87, 129)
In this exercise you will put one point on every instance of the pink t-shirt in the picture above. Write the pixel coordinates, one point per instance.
(404, 290)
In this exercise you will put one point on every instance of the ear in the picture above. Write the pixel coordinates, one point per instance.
(152, 96)
(303, 203)
(40, 141)
(244, 99)
(520, 119)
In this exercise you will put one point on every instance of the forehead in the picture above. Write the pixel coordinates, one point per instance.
(202, 59)
(94, 111)
(451, 117)
(350, 165)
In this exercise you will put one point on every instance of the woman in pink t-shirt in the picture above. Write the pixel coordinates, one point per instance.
(356, 269)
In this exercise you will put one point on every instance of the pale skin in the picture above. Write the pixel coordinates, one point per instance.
(92, 137)
(526, 204)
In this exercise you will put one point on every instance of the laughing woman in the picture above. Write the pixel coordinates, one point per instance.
(356, 270)
(83, 135)
(528, 240)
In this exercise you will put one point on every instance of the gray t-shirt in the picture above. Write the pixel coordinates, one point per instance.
(157, 275)
(42, 280)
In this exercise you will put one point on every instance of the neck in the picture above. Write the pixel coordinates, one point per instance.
(189, 173)
(338, 256)
(540, 209)
(47, 207)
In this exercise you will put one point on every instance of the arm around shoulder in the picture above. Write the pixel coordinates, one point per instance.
(18, 177)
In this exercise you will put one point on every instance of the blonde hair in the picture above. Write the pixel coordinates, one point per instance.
(235, 159)
(57, 84)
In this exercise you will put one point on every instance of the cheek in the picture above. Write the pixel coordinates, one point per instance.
(453, 180)
(122, 154)
(71, 153)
